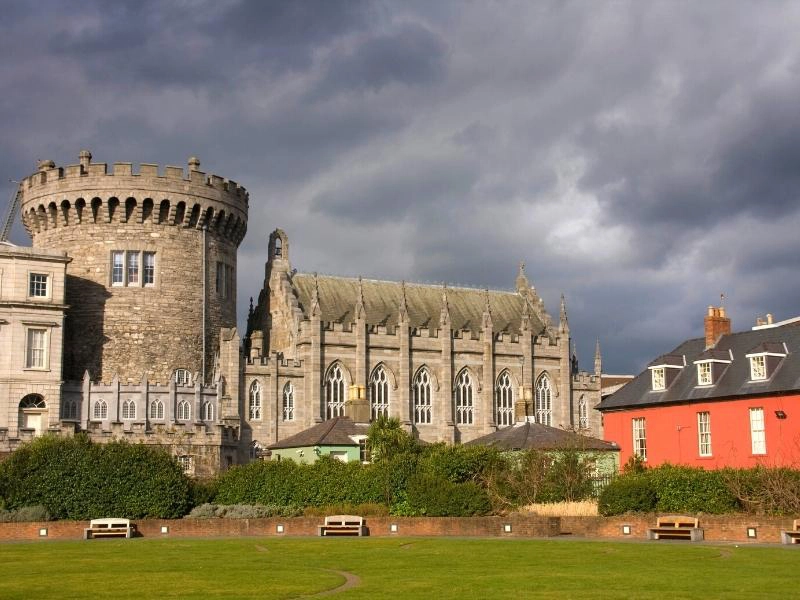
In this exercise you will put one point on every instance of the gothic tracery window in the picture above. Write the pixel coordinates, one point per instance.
(156, 409)
(255, 401)
(463, 398)
(583, 413)
(544, 402)
(208, 411)
(423, 406)
(184, 410)
(504, 400)
(129, 410)
(100, 410)
(288, 402)
(334, 392)
(379, 393)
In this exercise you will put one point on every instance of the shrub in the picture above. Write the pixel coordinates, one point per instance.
(459, 464)
(629, 493)
(242, 511)
(367, 509)
(76, 479)
(435, 496)
(569, 477)
(202, 491)
(26, 514)
(765, 490)
(689, 489)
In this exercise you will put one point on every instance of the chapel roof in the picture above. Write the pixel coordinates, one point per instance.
(338, 297)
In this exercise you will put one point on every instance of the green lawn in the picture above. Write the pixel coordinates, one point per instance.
(393, 568)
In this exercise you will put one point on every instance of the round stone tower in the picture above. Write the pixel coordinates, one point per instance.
(153, 271)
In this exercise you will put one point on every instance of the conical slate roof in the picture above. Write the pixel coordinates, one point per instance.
(535, 436)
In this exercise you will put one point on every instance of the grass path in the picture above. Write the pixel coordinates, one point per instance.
(392, 568)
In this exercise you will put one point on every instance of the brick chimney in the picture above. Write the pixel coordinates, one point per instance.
(716, 325)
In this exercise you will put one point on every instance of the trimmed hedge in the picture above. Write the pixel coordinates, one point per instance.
(629, 493)
(72, 478)
(434, 496)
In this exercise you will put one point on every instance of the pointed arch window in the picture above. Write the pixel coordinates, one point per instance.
(128, 410)
(255, 402)
(288, 401)
(334, 392)
(423, 404)
(208, 411)
(379, 393)
(184, 410)
(156, 409)
(583, 414)
(544, 400)
(463, 398)
(504, 400)
(100, 410)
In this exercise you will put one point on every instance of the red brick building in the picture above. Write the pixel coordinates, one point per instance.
(727, 399)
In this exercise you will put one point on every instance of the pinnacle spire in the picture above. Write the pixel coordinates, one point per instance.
(598, 359)
(403, 308)
(522, 280)
(444, 317)
(360, 301)
(315, 309)
(563, 323)
(487, 311)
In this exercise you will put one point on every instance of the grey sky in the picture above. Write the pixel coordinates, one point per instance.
(640, 157)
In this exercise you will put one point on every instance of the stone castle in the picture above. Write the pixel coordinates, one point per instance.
(151, 352)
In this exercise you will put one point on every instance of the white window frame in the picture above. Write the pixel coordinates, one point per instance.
(182, 377)
(704, 373)
(128, 410)
(208, 411)
(462, 394)
(99, 410)
(583, 413)
(156, 410)
(544, 400)
(37, 348)
(334, 392)
(423, 398)
(69, 409)
(379, 393)
(186, 463)
(148, 269)
(658, 379)
(504, 400)
(184, 410)
(254, 402)
(758, 367)
(118, 268)
(758, 434)
(704, 433)
(132, 269)
(288, 401)
(639, 430)
(38, 285)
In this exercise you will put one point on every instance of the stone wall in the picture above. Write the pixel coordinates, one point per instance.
(131, 329)
(721, 528)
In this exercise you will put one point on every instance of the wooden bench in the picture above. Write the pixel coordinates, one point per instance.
(793, 535)
(675, 527)
(109, 528)
(343, 525)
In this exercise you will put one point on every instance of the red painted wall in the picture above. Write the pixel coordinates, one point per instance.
(672, 432)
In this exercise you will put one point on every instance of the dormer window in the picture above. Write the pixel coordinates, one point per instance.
(704, 373)
(658, 379)
(765, 359)
(758, 367)
(664, 370)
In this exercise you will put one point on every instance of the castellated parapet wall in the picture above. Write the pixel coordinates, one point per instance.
(139, 321)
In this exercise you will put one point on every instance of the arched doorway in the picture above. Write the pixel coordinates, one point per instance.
(32, 413)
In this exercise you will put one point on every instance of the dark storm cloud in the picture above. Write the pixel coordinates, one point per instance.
(640, 157)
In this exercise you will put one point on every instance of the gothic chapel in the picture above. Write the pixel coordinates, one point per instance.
(451, 363)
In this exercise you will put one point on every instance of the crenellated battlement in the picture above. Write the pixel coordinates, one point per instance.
(87, 193)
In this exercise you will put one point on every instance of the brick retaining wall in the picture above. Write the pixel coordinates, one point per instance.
(717, 528)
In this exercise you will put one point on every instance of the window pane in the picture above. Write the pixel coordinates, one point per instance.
(38, 285)
(36, 355)
(117, 268)
(149, 259)
(133, 268)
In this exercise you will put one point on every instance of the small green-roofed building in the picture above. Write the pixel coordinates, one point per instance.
(339, 438)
